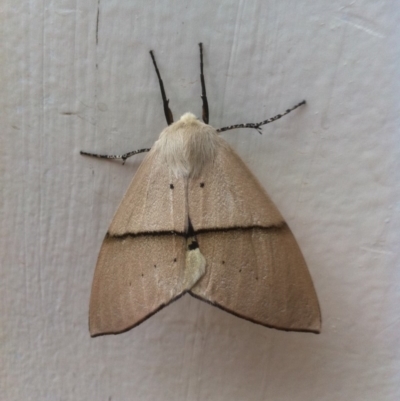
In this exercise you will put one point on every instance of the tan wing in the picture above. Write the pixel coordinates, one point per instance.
(254, 268)
(154, 202)
(141, 265)
(134, 278)
(226, 194)
(260, 275)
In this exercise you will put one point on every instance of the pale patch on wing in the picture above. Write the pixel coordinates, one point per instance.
(195, 268)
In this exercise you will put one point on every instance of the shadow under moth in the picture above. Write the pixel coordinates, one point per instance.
(195, 220)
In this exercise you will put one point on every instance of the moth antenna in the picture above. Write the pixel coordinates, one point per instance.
(167, 111)
(203, 88)
(257, 126)
(123, 157)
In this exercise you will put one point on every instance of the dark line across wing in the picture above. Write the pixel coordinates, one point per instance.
(197, 232)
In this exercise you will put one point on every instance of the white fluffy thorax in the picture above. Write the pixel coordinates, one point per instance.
(187, 145)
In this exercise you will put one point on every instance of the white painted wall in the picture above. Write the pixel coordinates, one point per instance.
(332, 168)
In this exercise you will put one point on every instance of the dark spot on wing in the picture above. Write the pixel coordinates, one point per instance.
(174, 259)
(171, 186)
(155, 266)
(202, 184)
(223, 262)
(193, 245)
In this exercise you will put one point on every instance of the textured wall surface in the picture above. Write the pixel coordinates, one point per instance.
(77, 75)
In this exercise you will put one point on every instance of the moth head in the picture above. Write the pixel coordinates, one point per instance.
(187, 145)
(188, 118)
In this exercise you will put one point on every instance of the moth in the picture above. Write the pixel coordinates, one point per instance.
(195, 220)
